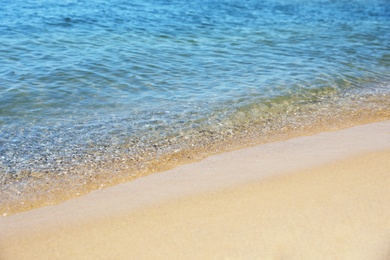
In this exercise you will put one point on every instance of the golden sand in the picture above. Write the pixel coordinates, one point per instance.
(325, 196)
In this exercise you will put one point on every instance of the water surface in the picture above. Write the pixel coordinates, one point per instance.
(95, 91)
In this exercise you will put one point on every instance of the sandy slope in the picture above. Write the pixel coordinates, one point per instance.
(325, 196)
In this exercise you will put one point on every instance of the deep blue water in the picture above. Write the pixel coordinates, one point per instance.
(93, 82)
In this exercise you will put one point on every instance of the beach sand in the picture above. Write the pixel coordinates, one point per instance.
(325, 196)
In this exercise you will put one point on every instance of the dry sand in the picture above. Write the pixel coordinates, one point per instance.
(325, 196)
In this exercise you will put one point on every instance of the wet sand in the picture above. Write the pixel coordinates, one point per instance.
(325, 196)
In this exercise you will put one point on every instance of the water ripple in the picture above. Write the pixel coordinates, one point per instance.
(87, 84)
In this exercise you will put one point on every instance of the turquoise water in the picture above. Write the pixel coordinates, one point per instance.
(93, 85)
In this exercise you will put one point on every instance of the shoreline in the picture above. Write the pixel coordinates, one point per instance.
(51, 188)
(162, 204)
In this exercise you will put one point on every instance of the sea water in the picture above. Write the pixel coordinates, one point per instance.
(96, 91)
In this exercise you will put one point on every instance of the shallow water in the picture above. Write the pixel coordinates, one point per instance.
(95, 91)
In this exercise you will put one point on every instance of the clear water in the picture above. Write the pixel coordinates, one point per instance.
(90, 90)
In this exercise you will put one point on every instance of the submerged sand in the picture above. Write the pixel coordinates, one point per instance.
(325, 196)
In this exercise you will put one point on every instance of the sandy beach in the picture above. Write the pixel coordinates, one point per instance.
(325, 196)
